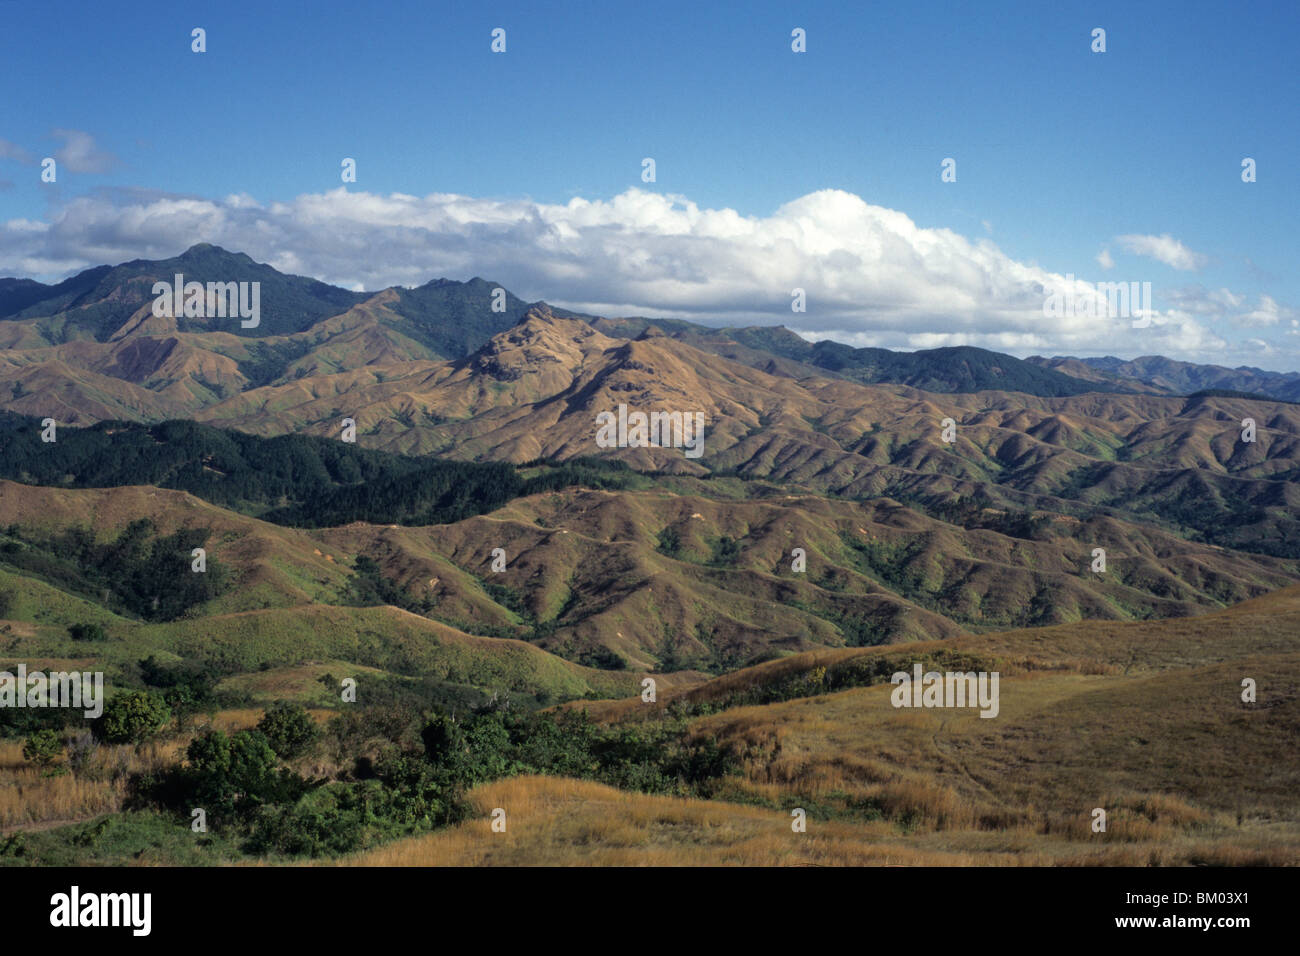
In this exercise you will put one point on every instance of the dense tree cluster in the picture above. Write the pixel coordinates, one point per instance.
(297, 480)
(138, 572)
(409, 771)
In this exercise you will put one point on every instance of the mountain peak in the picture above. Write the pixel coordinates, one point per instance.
(541, 312)
(206, 255)
(542, 352)
(207, 250)
(540, 328)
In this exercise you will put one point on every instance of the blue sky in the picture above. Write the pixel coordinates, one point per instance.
(1061, 152)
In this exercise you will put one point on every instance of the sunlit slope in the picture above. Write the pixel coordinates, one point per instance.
(657, 579)
(1145, 720)
(1142, 720)
(552, 821)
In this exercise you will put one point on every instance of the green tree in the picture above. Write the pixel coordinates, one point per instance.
(133, 717)
(445, 746)
(288, 728)
(726, 551)
(42, 747)
(670, 541)
(87, 632)
(233, 775)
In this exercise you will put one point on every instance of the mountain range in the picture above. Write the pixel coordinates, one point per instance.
(93, 340)
(674, 561)
(408, 489)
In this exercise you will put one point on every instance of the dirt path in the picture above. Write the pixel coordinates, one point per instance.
(956, 761)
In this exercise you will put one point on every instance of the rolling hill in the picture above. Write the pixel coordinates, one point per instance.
(1144, 721)
(500, 584)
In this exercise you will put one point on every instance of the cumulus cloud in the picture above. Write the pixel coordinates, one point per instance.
(1267, 312)
(1105, 260)
(1216, 303)
(871, 275)
(1164, 249)
(1223, 304)
(81, 154)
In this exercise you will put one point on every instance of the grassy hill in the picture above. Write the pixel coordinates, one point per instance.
(676, 576)
(1143, 720)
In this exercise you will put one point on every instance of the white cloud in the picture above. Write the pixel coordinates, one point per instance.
(1164, 249)
(1215, 303)
(1223, 304)
(80, 153)
(1105, 260)
(872, 276)
(1267, 312)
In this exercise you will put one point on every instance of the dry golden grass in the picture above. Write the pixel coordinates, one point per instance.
(1062, 741)
(560, 822)
(32, 797)
(554, 821)
(1251, 629)
(1143, 720)
(300, 682)
(245, 718)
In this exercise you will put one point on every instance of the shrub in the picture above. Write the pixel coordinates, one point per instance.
(133, 717)
(603, 658)
(330, 820)
(670, 542)
(42, 747)
(231, 776)
(345, 817)
(726, 551)
(88, 632)
(288, 728)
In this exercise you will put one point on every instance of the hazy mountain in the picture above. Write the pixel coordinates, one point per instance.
(1178, 378)
(81, 344)
(455, 318)
(535, 391)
